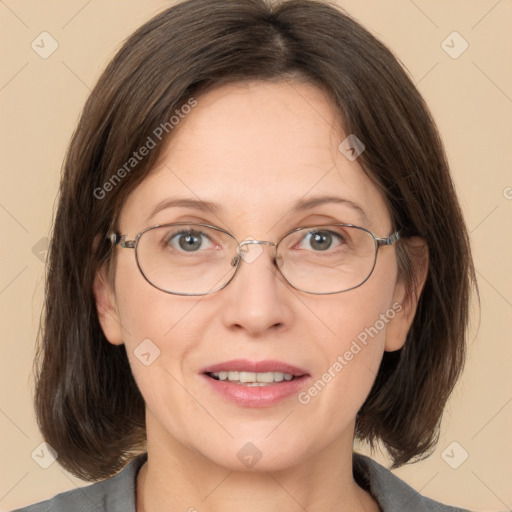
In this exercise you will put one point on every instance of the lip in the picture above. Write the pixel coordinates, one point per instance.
(244, 365)
(256, 396)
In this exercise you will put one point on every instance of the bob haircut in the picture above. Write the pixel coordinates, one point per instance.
(88, 406)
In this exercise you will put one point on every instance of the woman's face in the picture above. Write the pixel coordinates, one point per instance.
(254, 150)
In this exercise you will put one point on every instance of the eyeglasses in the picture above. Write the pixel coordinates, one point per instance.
(199, 259)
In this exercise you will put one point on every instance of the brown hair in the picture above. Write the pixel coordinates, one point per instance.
(88, 406)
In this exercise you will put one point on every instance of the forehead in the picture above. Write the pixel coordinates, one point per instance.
(255, 149)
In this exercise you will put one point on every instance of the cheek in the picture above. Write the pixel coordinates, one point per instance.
(362, 314)
(145, 311)
(352, 356)
(163, 333)
(159, 329)
(352, 352)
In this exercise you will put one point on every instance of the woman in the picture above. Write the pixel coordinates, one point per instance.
(258, 257)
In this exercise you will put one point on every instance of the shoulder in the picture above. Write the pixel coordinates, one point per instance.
(391, 492)
(117, 494)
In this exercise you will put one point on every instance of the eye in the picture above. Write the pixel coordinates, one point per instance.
(189, 241)
(322, 240)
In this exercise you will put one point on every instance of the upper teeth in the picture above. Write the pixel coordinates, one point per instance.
(252, 376)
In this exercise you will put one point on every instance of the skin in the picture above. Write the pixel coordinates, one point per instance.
(254, 148)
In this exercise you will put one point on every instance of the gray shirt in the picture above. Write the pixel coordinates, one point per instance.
(117, 494)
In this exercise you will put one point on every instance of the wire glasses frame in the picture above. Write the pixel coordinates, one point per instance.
(240, 249)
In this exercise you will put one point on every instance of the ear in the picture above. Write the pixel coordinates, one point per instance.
(107, 308)
(405, 301)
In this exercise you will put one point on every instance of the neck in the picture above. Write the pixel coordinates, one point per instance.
(178, 478)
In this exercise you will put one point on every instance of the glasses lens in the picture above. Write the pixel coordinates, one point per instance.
(188, 259)
(327, 259)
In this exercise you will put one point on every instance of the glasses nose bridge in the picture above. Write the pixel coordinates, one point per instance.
(254, 242)
(243, 253)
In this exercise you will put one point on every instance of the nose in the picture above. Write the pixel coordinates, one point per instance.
(257, 299)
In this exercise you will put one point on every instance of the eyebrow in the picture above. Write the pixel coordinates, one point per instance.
(306, 204)
(205, 206)
(298, 206)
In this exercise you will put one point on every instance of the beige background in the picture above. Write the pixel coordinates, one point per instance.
(471, 98)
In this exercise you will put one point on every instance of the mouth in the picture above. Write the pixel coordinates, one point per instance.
(252, 378)
(255, 383)
(243, 372)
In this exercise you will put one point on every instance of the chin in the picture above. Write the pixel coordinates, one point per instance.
(256, 455)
